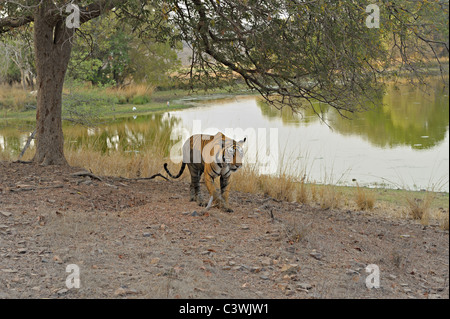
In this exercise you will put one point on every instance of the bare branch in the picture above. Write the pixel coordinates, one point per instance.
(6, 24)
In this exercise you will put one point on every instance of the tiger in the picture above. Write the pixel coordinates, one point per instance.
(215, 156)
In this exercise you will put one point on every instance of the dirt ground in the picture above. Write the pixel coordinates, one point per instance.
(144, 239)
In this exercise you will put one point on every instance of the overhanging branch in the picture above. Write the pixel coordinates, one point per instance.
(87, 13)
(6, 24)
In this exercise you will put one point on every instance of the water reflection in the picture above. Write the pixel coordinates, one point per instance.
(409, 116)
(127, 135)
(13, 137)
(414, 116)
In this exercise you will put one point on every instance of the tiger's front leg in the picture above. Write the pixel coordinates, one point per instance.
(209, 182)
(225, 191)
(196, 174)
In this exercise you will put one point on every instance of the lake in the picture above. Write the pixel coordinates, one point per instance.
(403, 143)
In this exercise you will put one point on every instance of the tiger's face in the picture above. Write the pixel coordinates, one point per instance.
(234, 155)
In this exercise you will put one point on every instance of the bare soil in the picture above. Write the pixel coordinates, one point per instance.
(143, 239)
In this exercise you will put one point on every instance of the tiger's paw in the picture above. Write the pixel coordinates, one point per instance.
(224, 206)
(202, 203)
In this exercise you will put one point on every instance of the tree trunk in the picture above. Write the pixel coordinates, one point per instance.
(53, 47)
(22, 77)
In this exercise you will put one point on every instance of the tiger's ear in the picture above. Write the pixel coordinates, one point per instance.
(243, 141)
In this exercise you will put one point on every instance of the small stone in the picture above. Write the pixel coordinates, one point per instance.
(290, 269)
(195, 214)
(392, 277)
(291, 249)
(16, 279)
(57, 259)
(290, 292)
(22, 251)
(255, 270)
(316, 255)
(6, 214)
(62, 291)
(155, 261)
(240, 267)
(147, 235)
(245, 227)
(120, 292)
(304, 286)
(266, 261)
(407, 290)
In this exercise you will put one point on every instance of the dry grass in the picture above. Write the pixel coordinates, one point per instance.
(135, 93)
(329, 197)
(246, 180)
(444, 220)
(302, 194)
(420, 208)
(364, 198)
(279, 187)
(116, 164)
(15, 97)
(150, 158)
(6, 157)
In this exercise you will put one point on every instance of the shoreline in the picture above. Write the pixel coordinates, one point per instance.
(181, 100)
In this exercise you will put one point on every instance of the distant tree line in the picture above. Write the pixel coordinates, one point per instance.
(105, 53)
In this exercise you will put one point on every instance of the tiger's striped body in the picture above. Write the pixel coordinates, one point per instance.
(215, 156)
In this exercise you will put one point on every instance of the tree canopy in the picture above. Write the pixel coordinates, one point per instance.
(293, 52)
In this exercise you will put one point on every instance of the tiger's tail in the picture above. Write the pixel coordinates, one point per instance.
(183, 167)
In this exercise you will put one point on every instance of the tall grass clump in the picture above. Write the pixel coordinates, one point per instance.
(282, 187)
(444, 221)
(246, 180)
(329, 197)
(302, 192)
(365, 199)
(420, 208)
(137, 94)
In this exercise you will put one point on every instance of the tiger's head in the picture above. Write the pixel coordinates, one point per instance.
(233, 155)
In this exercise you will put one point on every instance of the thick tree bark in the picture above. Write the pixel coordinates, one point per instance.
(53, 48)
